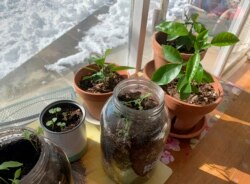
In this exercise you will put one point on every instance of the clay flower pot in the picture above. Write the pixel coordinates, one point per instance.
(158, 40)
(94, 102)
(188, 120)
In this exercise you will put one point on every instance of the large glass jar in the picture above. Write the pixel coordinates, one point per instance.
(50, 166)
(132, 140)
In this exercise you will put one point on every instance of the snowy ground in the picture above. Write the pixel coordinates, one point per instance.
(27, 26)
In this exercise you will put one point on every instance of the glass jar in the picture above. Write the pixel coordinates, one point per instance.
(132, 140)
(51, 165)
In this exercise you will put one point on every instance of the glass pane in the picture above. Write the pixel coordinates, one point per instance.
(44, 42)
(216, 15)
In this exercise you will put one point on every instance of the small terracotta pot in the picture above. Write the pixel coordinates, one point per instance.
(94, 102)
(158, 40)
(185, 116)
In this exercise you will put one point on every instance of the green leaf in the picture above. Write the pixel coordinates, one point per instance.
(49, 123)
(166, 73)
(194, 89)
(182, 82)
(39, 131)
(207, 78)
(107, 52)
(199, 27)
(192, 66)
(172, 37)
(58, 109)
(26, 134)
(186, 41)
(195, 17)
(224, 39)
(202, 36)
(173, 28)
(199, 74)
(201, 40)
(54, 119)
(17, 173)
(185, 91)
(118, 68)
(100, 62)
(171, 54)
(10, 164)
(52, 111)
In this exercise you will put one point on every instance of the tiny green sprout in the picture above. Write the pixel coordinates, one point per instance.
(27, 135)
(61, 124)
(137, 102)
(17, 174)
(55, 110)
(51, 122)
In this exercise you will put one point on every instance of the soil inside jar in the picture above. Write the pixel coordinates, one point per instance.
(205, 95)
(102, 86)
(70, 114)
(22, 151)
(133, 143)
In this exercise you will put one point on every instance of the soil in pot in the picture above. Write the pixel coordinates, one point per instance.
(62, 117)
(133, 144)
(22, 151)
(205, 93)
(102, 86)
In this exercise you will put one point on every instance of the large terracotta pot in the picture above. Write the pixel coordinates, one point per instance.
(94, 102)
(188, 120)
(158, 40)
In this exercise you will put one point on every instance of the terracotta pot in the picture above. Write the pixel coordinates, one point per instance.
(158, 40)
(186, 116)
(94, 102)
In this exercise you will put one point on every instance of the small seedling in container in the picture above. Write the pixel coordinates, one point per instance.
(11, 164)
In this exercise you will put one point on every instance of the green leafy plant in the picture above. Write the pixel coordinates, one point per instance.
(27, 135)
(190, 36)
(11, 164)
(54, 120)
(105, 70)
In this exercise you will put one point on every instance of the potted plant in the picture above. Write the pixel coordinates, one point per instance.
(134, 125)
(187, 37)
(63, 123)
(95, 82)
(191, 92)
(27, 157)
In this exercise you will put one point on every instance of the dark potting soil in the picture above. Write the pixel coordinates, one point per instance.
(135, 100)
(206, 94)
(108, 85)
(69, 114)
(21, 151)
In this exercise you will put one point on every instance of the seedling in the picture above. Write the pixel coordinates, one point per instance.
(11, 164)
(137, 102)
(61, 125)
(53, 120)
(105, 70)
(123, 132)
(27, 135)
